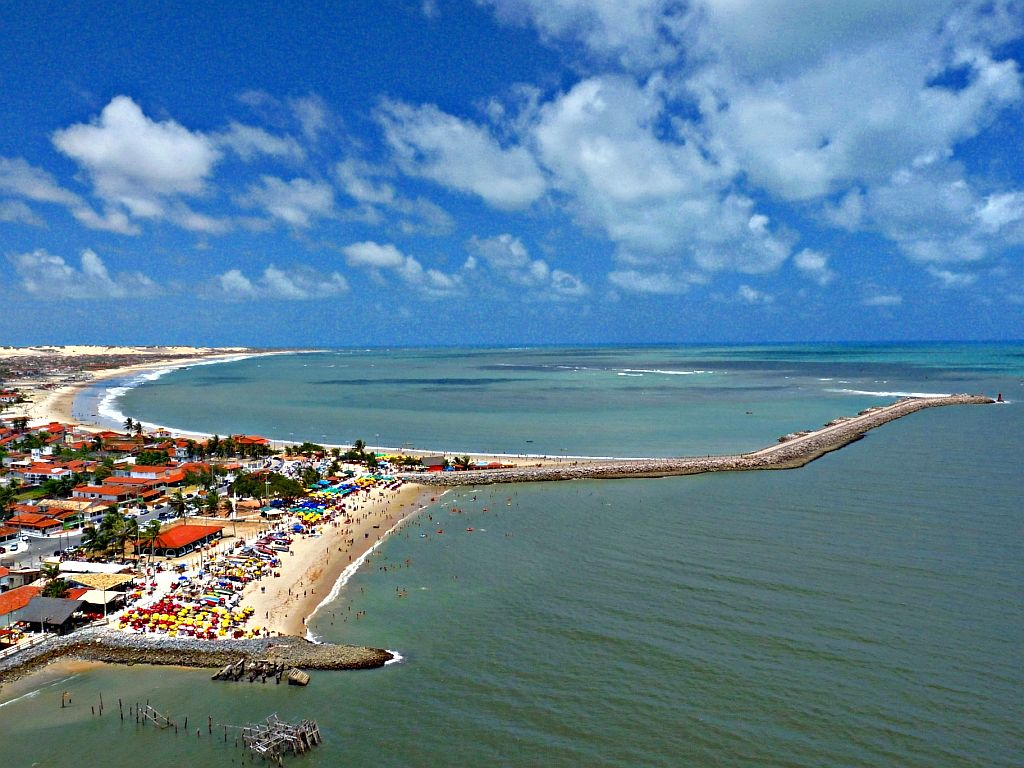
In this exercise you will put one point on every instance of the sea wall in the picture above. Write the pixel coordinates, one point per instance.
(116, 647)
(790, 452)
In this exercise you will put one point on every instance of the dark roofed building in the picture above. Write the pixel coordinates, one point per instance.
(52, 614)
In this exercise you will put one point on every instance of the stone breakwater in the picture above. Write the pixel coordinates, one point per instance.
(792, 451)
(115, 647)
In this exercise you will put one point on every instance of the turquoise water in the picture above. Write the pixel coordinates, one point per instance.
(605, 402)
(862, 611)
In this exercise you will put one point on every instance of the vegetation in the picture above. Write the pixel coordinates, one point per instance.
(152, 458)
(111, 535)
(56, 588)
(266, 485)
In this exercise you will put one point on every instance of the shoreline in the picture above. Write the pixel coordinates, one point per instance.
(57, 403)
(287, 604)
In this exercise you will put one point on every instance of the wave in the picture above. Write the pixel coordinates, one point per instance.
(659, 370)
(887, 394)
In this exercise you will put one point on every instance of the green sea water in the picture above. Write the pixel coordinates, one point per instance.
(864, 610)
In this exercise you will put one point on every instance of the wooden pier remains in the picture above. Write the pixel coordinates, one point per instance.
(277, 738)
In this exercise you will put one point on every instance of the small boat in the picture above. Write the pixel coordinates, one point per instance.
(423, 535)
(469, 530)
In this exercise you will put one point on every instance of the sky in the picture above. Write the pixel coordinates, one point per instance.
(481, 172)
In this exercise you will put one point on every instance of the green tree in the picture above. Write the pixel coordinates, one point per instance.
(179, 503)
(95, 540)
(152, 458)
(149, 534)
(129, 424)
(56, 588)
(212, 503)
(7, 495)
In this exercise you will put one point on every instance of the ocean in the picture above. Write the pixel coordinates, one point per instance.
(864, 610)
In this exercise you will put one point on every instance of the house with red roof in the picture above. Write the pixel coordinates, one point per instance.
(36, 523)
(116, 493)
(14, 600)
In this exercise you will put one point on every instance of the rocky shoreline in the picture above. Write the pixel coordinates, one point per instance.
(115, 647)
(792, 451)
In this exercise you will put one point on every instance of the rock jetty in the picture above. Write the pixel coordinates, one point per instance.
(792, 451)
(116, 647)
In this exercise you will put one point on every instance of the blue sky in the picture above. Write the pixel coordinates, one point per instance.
(511, 172)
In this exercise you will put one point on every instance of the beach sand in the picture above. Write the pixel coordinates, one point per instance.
(283, 604)
(56, 404)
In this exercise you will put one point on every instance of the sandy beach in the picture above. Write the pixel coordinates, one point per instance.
(309, 572)
(52, 395)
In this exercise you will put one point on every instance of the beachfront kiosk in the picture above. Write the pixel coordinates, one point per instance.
(182, 539)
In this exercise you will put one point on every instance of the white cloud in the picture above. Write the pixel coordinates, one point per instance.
(509, 261)
(361, 182)
(17, 177)
(15, 211)
(312, 114)
(951, 279)
(883, 300)
(804, 101)
(635, 281)
(45, 275)
(296, 284)
(296, 202)
(460, 155)
(250, 142)
(379, 258)
(1001, 210)
(638, 34)
(662, 201)
(112, 220)
(814, 264)
(373, 255)
(753, 296)
(136, 162)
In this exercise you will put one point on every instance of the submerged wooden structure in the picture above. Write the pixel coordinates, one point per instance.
(276, 738)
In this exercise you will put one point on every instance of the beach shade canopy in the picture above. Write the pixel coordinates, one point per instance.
(298, 528)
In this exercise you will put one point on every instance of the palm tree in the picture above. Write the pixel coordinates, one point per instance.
(129, 532)
(7, 495)
(129, 424)
(50, 571)
(138, 429)
(178, 503)
(212, 503)
(149, 534)
(95, 540)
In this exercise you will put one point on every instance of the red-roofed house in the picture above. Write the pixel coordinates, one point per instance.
(14, 600)
(166, 475)
(182, 539)
(7, 533)
(41, 525)
(250, 440)
(116, 493)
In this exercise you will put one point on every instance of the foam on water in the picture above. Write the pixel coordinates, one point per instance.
(870, 393)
